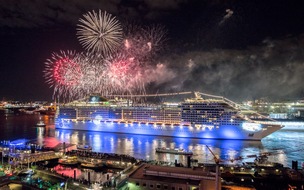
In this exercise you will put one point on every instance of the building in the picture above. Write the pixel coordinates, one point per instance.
(156, 177)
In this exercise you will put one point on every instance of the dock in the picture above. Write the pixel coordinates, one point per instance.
(110, 160)
(26, 158)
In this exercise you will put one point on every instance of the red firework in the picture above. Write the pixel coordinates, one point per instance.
(64, 73)
(67, 72)
(119, 73)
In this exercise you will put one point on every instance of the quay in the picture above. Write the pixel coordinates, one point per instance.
(19, 152)
(161, 175)
(110, 160)
(26, 158)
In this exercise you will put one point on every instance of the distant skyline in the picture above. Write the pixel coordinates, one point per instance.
(238, 49)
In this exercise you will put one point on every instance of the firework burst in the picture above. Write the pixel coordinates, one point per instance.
(111, 65)
(94, 71)
(63, 72)
(143, 42)
(99, 32)
(155, 37)
(120, 69)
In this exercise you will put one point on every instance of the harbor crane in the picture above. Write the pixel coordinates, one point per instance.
(217, 173)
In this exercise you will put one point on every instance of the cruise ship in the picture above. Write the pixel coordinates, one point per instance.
(197, 117)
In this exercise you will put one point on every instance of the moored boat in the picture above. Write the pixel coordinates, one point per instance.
(173, 151)
(68, 161)
(84, 147)
(40, 124)
(92, 165)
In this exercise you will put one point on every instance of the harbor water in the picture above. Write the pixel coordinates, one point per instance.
(283, 146)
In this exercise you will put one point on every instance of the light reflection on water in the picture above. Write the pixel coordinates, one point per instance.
(284, 145)
(288, 144)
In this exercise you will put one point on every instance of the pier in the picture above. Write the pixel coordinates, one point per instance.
(110, 160)
(18, 152)
(26, 158)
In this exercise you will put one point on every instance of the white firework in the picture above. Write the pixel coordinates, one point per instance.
(94, 68)
(99, 32)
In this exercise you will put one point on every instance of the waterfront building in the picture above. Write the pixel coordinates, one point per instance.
(277, 110)
(148, 176)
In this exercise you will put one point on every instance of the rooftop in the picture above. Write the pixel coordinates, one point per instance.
(171, 174)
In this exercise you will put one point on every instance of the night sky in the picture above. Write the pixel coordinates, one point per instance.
(242, 49)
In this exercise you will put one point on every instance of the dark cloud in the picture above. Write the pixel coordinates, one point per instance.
(164, 4)
(36, 13)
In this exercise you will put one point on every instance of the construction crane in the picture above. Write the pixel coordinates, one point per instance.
(217, 173)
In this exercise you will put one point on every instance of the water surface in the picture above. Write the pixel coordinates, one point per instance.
(285, 146)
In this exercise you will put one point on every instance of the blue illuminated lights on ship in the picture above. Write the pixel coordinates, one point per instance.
(97, 120)
(193, 118)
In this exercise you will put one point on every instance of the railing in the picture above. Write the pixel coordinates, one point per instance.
(25, 158)
(178, 175)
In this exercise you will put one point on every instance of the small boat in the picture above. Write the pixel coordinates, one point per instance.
(91, 165)
(68, 161)
(114, 164)
(40, 124)
(262, 161)
(173, 151)
(84, 147)
(26, 172)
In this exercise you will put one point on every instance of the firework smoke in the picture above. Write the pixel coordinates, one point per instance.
(229, 14)
(271, 71)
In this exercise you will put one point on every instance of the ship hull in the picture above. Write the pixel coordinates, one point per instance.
(222, 132)
(288, 125)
